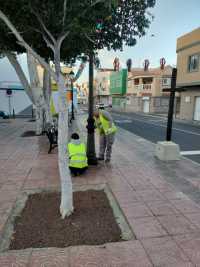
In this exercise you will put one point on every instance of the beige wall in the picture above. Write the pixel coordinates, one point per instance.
(188, 39)
(187, 109)
(156, 87)
(187, 45)
(185, 77)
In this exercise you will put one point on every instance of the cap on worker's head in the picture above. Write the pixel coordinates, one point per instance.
(96, 113)
(75, 136)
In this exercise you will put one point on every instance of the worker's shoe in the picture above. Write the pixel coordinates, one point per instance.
(100, 158)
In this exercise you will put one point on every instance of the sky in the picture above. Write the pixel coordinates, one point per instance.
(173, 18)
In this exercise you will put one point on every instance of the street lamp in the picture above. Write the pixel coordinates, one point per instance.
(71, 75)
(92, 160)
(171, 105)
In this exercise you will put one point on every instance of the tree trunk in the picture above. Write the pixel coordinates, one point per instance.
(66, 205)
(37, 93)
(22, 77)
(47, 96)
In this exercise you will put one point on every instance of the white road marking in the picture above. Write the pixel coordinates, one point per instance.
(159, 125)
(193, 152)
(123, 121)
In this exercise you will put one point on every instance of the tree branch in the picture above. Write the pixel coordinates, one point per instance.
(90, 39)
(47, 42)
(64, 11)
(62, 38)
(43, 26)
(24, 44)
(97, 2)
(14, 62)
(80, 70)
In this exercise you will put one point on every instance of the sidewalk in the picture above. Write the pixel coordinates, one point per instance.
(160, 201)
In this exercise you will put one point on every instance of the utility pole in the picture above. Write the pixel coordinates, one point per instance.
(72, 100)
(71, 75)
(171, 105)
(91, 154)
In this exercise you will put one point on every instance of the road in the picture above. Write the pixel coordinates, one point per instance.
(153, 128)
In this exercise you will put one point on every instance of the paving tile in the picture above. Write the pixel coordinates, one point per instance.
(15, 259)
(7, 195)
(177, 224)
(165, 252)
(190, 244)
(123, 254)
(186, 206)
(85, 256)
(3, 220)
(146, 227)
(125, 197)
(6, 206)
(194, 218)
(136, 210)
(127, 254)
(172, 194)
(50, 257)
(162, 207)
(150, 195)
(33, 184)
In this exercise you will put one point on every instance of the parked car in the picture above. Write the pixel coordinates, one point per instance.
(4, 115)
(102, 106)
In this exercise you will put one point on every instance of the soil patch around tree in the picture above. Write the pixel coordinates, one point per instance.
(40, 224)
(28, 134)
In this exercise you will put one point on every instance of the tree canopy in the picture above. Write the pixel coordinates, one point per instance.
(87, 24)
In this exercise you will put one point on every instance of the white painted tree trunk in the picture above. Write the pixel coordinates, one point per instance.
(66, 205)
(22, 77)
(47, 96)
(37, 93)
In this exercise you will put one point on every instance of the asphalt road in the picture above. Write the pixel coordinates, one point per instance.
(153, 128)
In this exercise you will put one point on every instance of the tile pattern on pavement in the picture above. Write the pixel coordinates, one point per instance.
(166, 221)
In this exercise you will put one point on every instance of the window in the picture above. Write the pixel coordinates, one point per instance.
(193, 64)
(136, 81)
(187, 99)
(166, 81)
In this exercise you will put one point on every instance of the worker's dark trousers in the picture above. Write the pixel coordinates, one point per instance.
(105, 145)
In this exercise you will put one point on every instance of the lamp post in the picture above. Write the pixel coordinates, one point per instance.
(92, 160)
(171, 105)
(71, 75)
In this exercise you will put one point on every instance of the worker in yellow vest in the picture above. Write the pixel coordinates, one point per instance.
(77, 155)
(107, 129)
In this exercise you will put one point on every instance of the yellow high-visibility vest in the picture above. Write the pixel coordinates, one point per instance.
(103, 125)
(52, 107)
(77, 155)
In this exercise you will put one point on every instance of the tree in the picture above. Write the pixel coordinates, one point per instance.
(86, 25)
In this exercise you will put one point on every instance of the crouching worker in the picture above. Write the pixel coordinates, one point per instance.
(77, 155)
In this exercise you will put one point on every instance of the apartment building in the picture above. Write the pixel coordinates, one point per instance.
(148, 90)
(102, 86)
(188, 75)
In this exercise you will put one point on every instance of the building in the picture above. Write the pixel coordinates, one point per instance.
(82, 91)
(102, 86)
(188, 74)
(118, 89)
(13, 98)
(148, 90)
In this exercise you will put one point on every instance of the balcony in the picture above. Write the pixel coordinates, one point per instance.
(141, 87)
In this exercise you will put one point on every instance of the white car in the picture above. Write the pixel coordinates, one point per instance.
(102, 106)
